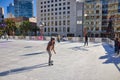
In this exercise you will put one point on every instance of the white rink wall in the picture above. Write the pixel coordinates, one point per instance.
(74, 39)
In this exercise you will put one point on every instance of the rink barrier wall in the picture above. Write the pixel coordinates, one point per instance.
(72, 39)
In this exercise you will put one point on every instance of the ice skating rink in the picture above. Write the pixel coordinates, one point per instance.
(27, 60)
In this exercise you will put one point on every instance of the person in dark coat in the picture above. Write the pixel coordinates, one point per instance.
(86, 40)
(116, 46)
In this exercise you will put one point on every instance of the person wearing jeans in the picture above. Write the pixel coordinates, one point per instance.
(50, 47)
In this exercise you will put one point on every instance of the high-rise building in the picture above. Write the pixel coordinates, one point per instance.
(101, 18)
(23, 8)
(10, 10)
(1, 14)
(62, 17)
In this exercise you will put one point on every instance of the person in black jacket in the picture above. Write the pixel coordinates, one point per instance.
(86, 40)
(116, 46)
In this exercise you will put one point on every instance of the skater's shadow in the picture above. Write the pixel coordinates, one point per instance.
(109, 56)
(79, 48)
(5, 41)
(32, 54)
(28, 47)
(22, 69)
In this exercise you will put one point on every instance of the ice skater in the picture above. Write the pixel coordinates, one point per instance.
(58, 38)
(117, 47)
(86, 40)
(50, 47)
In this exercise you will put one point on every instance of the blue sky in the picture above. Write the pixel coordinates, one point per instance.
(5, 3)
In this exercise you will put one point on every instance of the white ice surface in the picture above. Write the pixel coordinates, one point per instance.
(27, 60)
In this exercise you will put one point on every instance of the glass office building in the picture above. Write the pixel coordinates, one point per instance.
(10, 10)
(102, 17)
(1, 14)
(23, 8)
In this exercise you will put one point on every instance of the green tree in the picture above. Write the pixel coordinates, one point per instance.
(25, 27)
(10, 26)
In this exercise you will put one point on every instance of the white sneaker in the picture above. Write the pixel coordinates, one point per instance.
(118, 55)
(115, 54)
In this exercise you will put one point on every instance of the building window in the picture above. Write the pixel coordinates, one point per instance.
(68, 7)
(52, 29)
(56, 30)
(97, 11)
(68, 12)
(48, 29)
(68, 29)
(64, 3)
(55, 4)
(59, 13)
(44, 14)
(55, 0)
(45, 18)
(41, 6)
(55, 17)
(59, 8)
(48, 5)
(64, 12)
(51, 5)
(48, 14)
(59, 29)
(64, 29)
(52, 23)
(59, 23)
(45, 10)
(55, 9)
(64, 8)
(64, 22)
(52, 18)
(52, 9)
(51, 0)
(55, 23)
(48, 2)
(68, 3)
(68, 22)
(41, 10)
(44, 29)
(48, 18)
(48, 23)
(45, 2)
(97, 17)
(41, 2)
(68, 17)
(59, 4)
(48, 9)
(55, 13)
(59, 17)
(45, 23)
(51, 13)
(44, 6)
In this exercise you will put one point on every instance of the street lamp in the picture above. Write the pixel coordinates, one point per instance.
(41, 25)
(85, 28)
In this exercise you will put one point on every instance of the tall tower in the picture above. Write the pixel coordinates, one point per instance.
(23, 8)
(1, 14)
(10, 10)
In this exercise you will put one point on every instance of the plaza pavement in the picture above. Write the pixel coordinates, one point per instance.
(27, 60)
